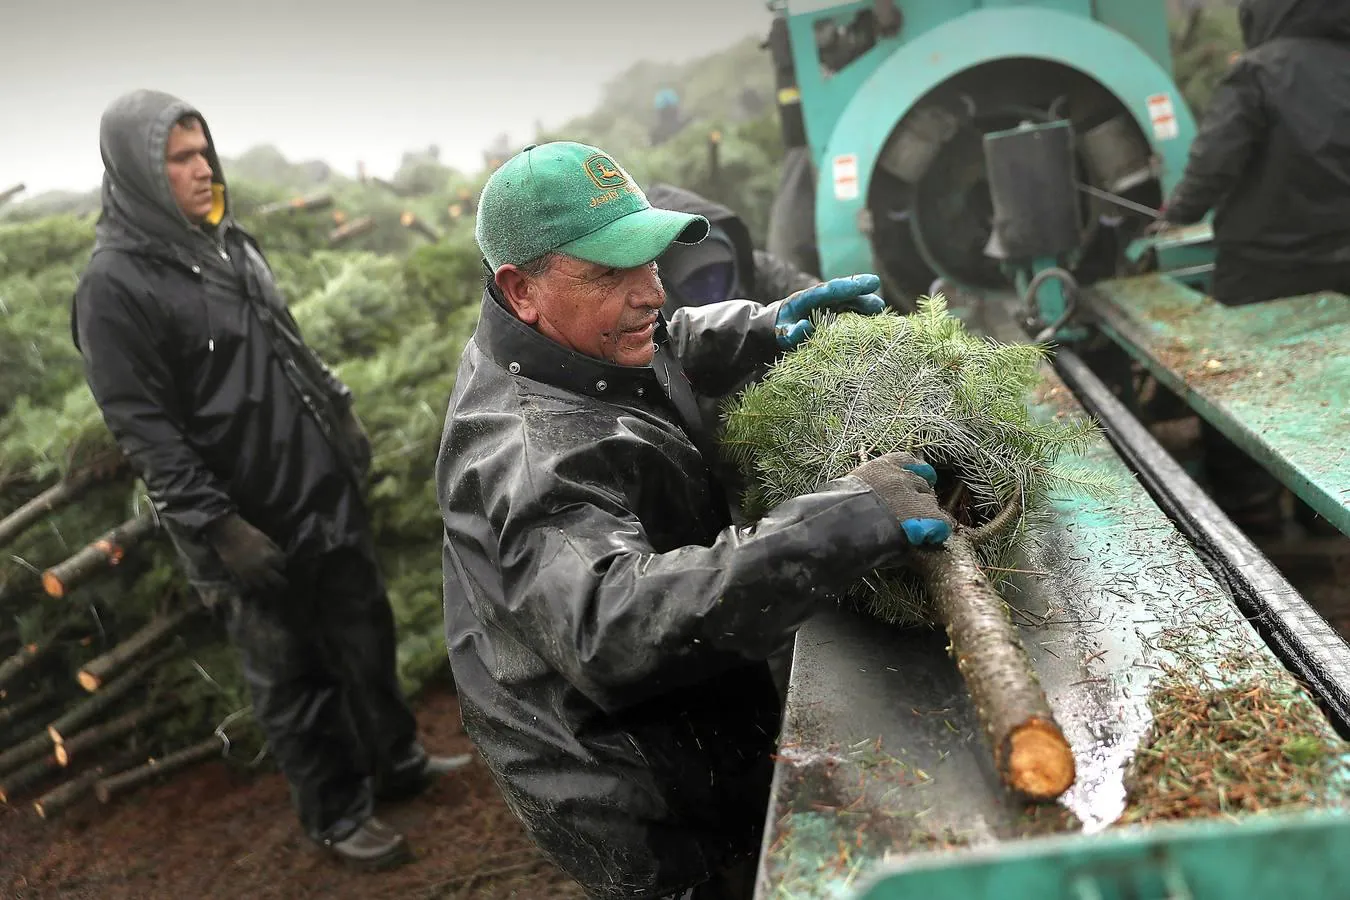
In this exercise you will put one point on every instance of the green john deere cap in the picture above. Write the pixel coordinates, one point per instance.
(576, 200)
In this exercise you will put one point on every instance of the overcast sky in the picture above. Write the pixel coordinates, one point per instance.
(329, 79)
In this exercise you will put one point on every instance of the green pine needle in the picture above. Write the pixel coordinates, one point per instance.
(867, 385)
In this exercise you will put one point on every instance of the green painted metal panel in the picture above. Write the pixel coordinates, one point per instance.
(881, 757)
(825, 96)
(1142, 21)
(876, 103)
(1273, 377)
(1304, 855)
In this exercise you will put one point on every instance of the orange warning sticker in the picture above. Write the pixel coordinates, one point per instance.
(846, 177)
(1163, 116)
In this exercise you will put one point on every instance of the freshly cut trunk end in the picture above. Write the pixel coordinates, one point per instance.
(1040, 761)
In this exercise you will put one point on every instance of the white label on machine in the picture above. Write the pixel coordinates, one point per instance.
(1164, 117)
(846, 177)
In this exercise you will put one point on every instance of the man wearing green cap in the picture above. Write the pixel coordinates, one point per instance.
(607, 624)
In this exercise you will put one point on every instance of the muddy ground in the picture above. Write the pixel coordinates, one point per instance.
(217, 831)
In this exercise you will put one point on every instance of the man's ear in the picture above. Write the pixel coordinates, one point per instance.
(518, 291)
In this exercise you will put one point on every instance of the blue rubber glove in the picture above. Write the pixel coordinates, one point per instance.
(905, 484)
(852, 294)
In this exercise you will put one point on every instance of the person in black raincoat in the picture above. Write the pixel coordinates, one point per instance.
(607, 624)
(725, 265)
(255, 462)
(1272, 160)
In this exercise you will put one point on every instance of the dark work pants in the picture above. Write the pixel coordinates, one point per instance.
(1239, 281)
(319, 661)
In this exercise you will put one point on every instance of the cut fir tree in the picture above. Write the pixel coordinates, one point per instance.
(864, 386)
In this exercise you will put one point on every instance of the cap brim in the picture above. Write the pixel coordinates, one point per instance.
(637, 238)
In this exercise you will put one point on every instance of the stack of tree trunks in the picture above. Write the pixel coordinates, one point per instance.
(88, 733)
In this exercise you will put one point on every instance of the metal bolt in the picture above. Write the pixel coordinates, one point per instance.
(600, 385)
(196, 270)
(514, 368)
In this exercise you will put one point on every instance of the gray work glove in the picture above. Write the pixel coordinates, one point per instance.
(249, 555)
(905, 484)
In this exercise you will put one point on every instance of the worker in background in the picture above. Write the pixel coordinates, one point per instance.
(723, 266)
(607, 625)
(255, 461)
(1272, 159)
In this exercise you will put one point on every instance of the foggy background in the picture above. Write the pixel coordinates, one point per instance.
(337, 81)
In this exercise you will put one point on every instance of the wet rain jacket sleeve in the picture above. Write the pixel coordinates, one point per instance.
(722, 345)
(776, 278)
(130, 378)
(1234, 127)
(584, 587)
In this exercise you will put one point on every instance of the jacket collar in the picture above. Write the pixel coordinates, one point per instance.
(525, 353)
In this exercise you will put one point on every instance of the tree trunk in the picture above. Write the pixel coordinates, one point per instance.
(63, 795)
(1030, 752)
(413, 222)
(23, 778)
(97, 556)
(55, 497)
(348, 230)
(89, 709)
(15, 711)
(22, 752)
(83, 784)
(100, 669)
(308, 203)
(28, 654)
(79, 744)
(108, 788)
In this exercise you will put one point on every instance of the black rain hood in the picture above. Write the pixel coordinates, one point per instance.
(1267, 20)
(137, 198)
(665, 196)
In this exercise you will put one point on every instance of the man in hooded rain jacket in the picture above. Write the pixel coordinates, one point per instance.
(607, 623)
(1272, 160)
(255, 462)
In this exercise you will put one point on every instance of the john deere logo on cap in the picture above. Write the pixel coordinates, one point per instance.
(605, 172)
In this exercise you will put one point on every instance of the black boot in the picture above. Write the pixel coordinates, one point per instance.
(373, 845)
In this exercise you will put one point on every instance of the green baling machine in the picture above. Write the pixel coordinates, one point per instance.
(1010, 155)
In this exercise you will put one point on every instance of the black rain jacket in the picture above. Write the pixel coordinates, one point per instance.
(1273, 154)
(607, 630)
(198, 367)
